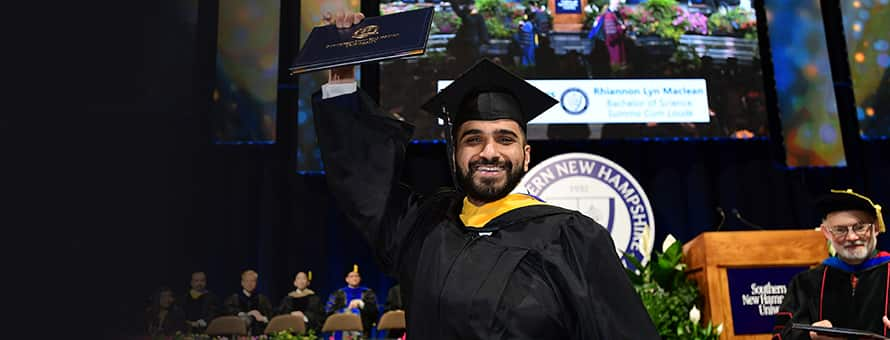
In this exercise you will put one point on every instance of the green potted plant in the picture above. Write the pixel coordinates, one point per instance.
(735, 22)
(592, 11)
(287, 335)
(668, 295)
(663, 13)
(445, 22)
(496, 13)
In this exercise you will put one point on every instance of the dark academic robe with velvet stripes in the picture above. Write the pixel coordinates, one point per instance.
(537, 272)
(310, 305)
(848, 297)
(241, 303)
(339, 300)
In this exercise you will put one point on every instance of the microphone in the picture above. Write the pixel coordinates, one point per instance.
(722, 218)
(738, 215)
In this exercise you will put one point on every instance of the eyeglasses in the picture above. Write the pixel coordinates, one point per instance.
(860, 229)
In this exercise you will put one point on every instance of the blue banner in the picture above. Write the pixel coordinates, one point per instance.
(756, 295)
(568, 6)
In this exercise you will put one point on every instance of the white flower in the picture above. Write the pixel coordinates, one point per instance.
(720, 329)
(668, 241)
(694, 315)
(645, 238)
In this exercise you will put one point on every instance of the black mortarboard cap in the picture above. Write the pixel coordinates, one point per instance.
(840, 200)
(487, 91)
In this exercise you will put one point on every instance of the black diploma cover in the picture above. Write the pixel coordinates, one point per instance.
(377, 38)
(838, 332)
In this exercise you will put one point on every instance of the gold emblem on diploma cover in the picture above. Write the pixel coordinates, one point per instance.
(365, 32)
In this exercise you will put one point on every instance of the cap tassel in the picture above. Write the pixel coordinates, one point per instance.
(309, 275)
(449, 148)
(355, 268)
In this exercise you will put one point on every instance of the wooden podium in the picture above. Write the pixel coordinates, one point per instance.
(710, 254)
(567, 22)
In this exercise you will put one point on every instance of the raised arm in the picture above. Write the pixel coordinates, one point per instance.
(363, 151)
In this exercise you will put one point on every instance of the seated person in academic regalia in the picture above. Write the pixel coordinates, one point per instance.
(354, 299)
(163, 317)
(254, 308)
(849, 289)
(304, 303)
(394, 299)
(199, 304)
(394, 302)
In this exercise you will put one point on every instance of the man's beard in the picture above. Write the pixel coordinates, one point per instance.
(858, 255)
(487, 190)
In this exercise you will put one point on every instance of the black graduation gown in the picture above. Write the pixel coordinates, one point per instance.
(205, 307)
(310, 305)
(394, 302)
(240, 303)
(394, 299)
(826, 293)
(535, 272)
(173, 322)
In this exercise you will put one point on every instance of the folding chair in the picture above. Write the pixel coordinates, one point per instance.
(226, 326)
(286, 322)
(342, 322)
(394, 319)
(393, 322)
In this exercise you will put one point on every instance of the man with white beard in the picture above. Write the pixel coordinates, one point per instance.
(848, 290)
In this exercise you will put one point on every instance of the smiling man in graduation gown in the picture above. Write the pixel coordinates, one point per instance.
(848, 290)
(475, 262)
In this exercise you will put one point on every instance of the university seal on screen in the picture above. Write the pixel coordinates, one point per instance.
(599, 189)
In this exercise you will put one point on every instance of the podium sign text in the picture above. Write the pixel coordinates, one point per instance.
(756, 295)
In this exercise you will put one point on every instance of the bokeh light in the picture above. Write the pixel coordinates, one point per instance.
(867, 29)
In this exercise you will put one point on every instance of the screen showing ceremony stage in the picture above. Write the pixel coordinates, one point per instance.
(675, 70)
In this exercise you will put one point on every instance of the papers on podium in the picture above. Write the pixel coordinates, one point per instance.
(377, 38)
